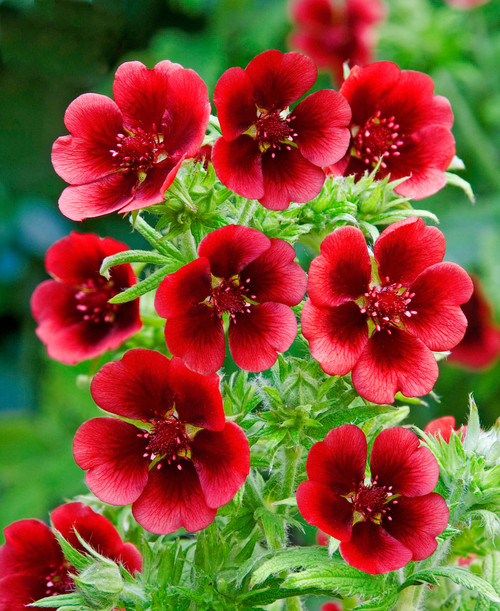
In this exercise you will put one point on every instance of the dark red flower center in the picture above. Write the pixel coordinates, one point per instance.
(274, 132)
(139, 151)
(92, 300)
(58, 581)
(378, 138)
(231, 297)
(387, 305)
(169, 440)
(372, 502)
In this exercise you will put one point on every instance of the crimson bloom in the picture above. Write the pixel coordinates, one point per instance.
(75, 320)
(32, 564)
(242, 273)
(480, 346)
(396, 117)
(383, 325)
(444, 426)
(123, 155)
(332, 33)
(266, 152)
(181, 462)
(386, 523)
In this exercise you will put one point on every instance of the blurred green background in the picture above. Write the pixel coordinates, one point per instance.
(52, 51)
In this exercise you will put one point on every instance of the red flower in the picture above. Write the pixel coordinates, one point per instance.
(383, 326)
(382, 525)
(397, 117)
(330, 606)
(480, 346)
(75, 320)
(183, 463)
(444, 426)
(32, 564)
(124, 155)
(242, 273)
(267, 153)
(332, 33)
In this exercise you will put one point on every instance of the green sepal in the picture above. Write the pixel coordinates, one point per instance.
(144, 286)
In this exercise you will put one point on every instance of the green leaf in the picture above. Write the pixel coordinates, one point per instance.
(78, 560)
(156, 239)
(291, 558)
(148, 284)
(132, 256)
(63, 601)
(457, 181)
(473, 428)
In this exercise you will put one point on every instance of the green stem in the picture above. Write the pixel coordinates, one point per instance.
(405, 601)
(247, 212)
(290, 464)
(188, 245)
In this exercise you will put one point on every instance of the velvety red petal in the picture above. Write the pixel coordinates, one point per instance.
(197, 397)
(198, 339)
(289, 177)
(233, 97)
(444, 426)
(340, 460)
(336, 335)
(274, 276)
(238, 165)
(280, 78)
(392, 363)
(372, 549)
(113, 454)
(398, 460)
(152, 189)
(53, 305)
(173, 499)
(406, 248)
(439, 292)
(222, 461)
(416, 522)
(184, 289)
(321, 507)
(19, 590)
(231, 248)
(255, 338)
(136, 387)
(342, 272)
(321, 121)
(96, 530)
(109, 194)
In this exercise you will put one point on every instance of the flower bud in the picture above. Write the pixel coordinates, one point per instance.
(100, 585)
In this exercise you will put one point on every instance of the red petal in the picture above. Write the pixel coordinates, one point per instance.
(222, 461)
(398, 460)
(416, 522)
(280, 78)
(96, 530)
(289, 177)
(256, 337)
(406, 248)
(321, 122)
(137, 387)
(238, 165)
(274, 276)
(103, 196)
(321, 507)
(372, 550)
(152, 189)
(439, 292)
(184, 289)
(340, 460)
(233, 97)
(19, 590)
(336, 336)
(113, 453)
(231, 248)
(173, 499)
(197, 397)
(444, 425)
(342, 272)
(198, 339)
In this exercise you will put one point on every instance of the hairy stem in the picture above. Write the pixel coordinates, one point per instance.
(188, 245)
(247, 211)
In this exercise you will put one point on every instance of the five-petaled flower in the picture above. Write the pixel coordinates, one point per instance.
(123, 155)
(32, 564)
(382, 524)
(383, 323)
(266, 152)
(398, 121)
(181, 462)
(244, 274)
(332, 33)
(75, 320)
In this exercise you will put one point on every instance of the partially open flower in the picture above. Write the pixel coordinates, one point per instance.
(181, 462)
(32, 564)
(397, 120)
(122, 156)
(383, 322)
(384, 522)
(268, 152)
(74, 316)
